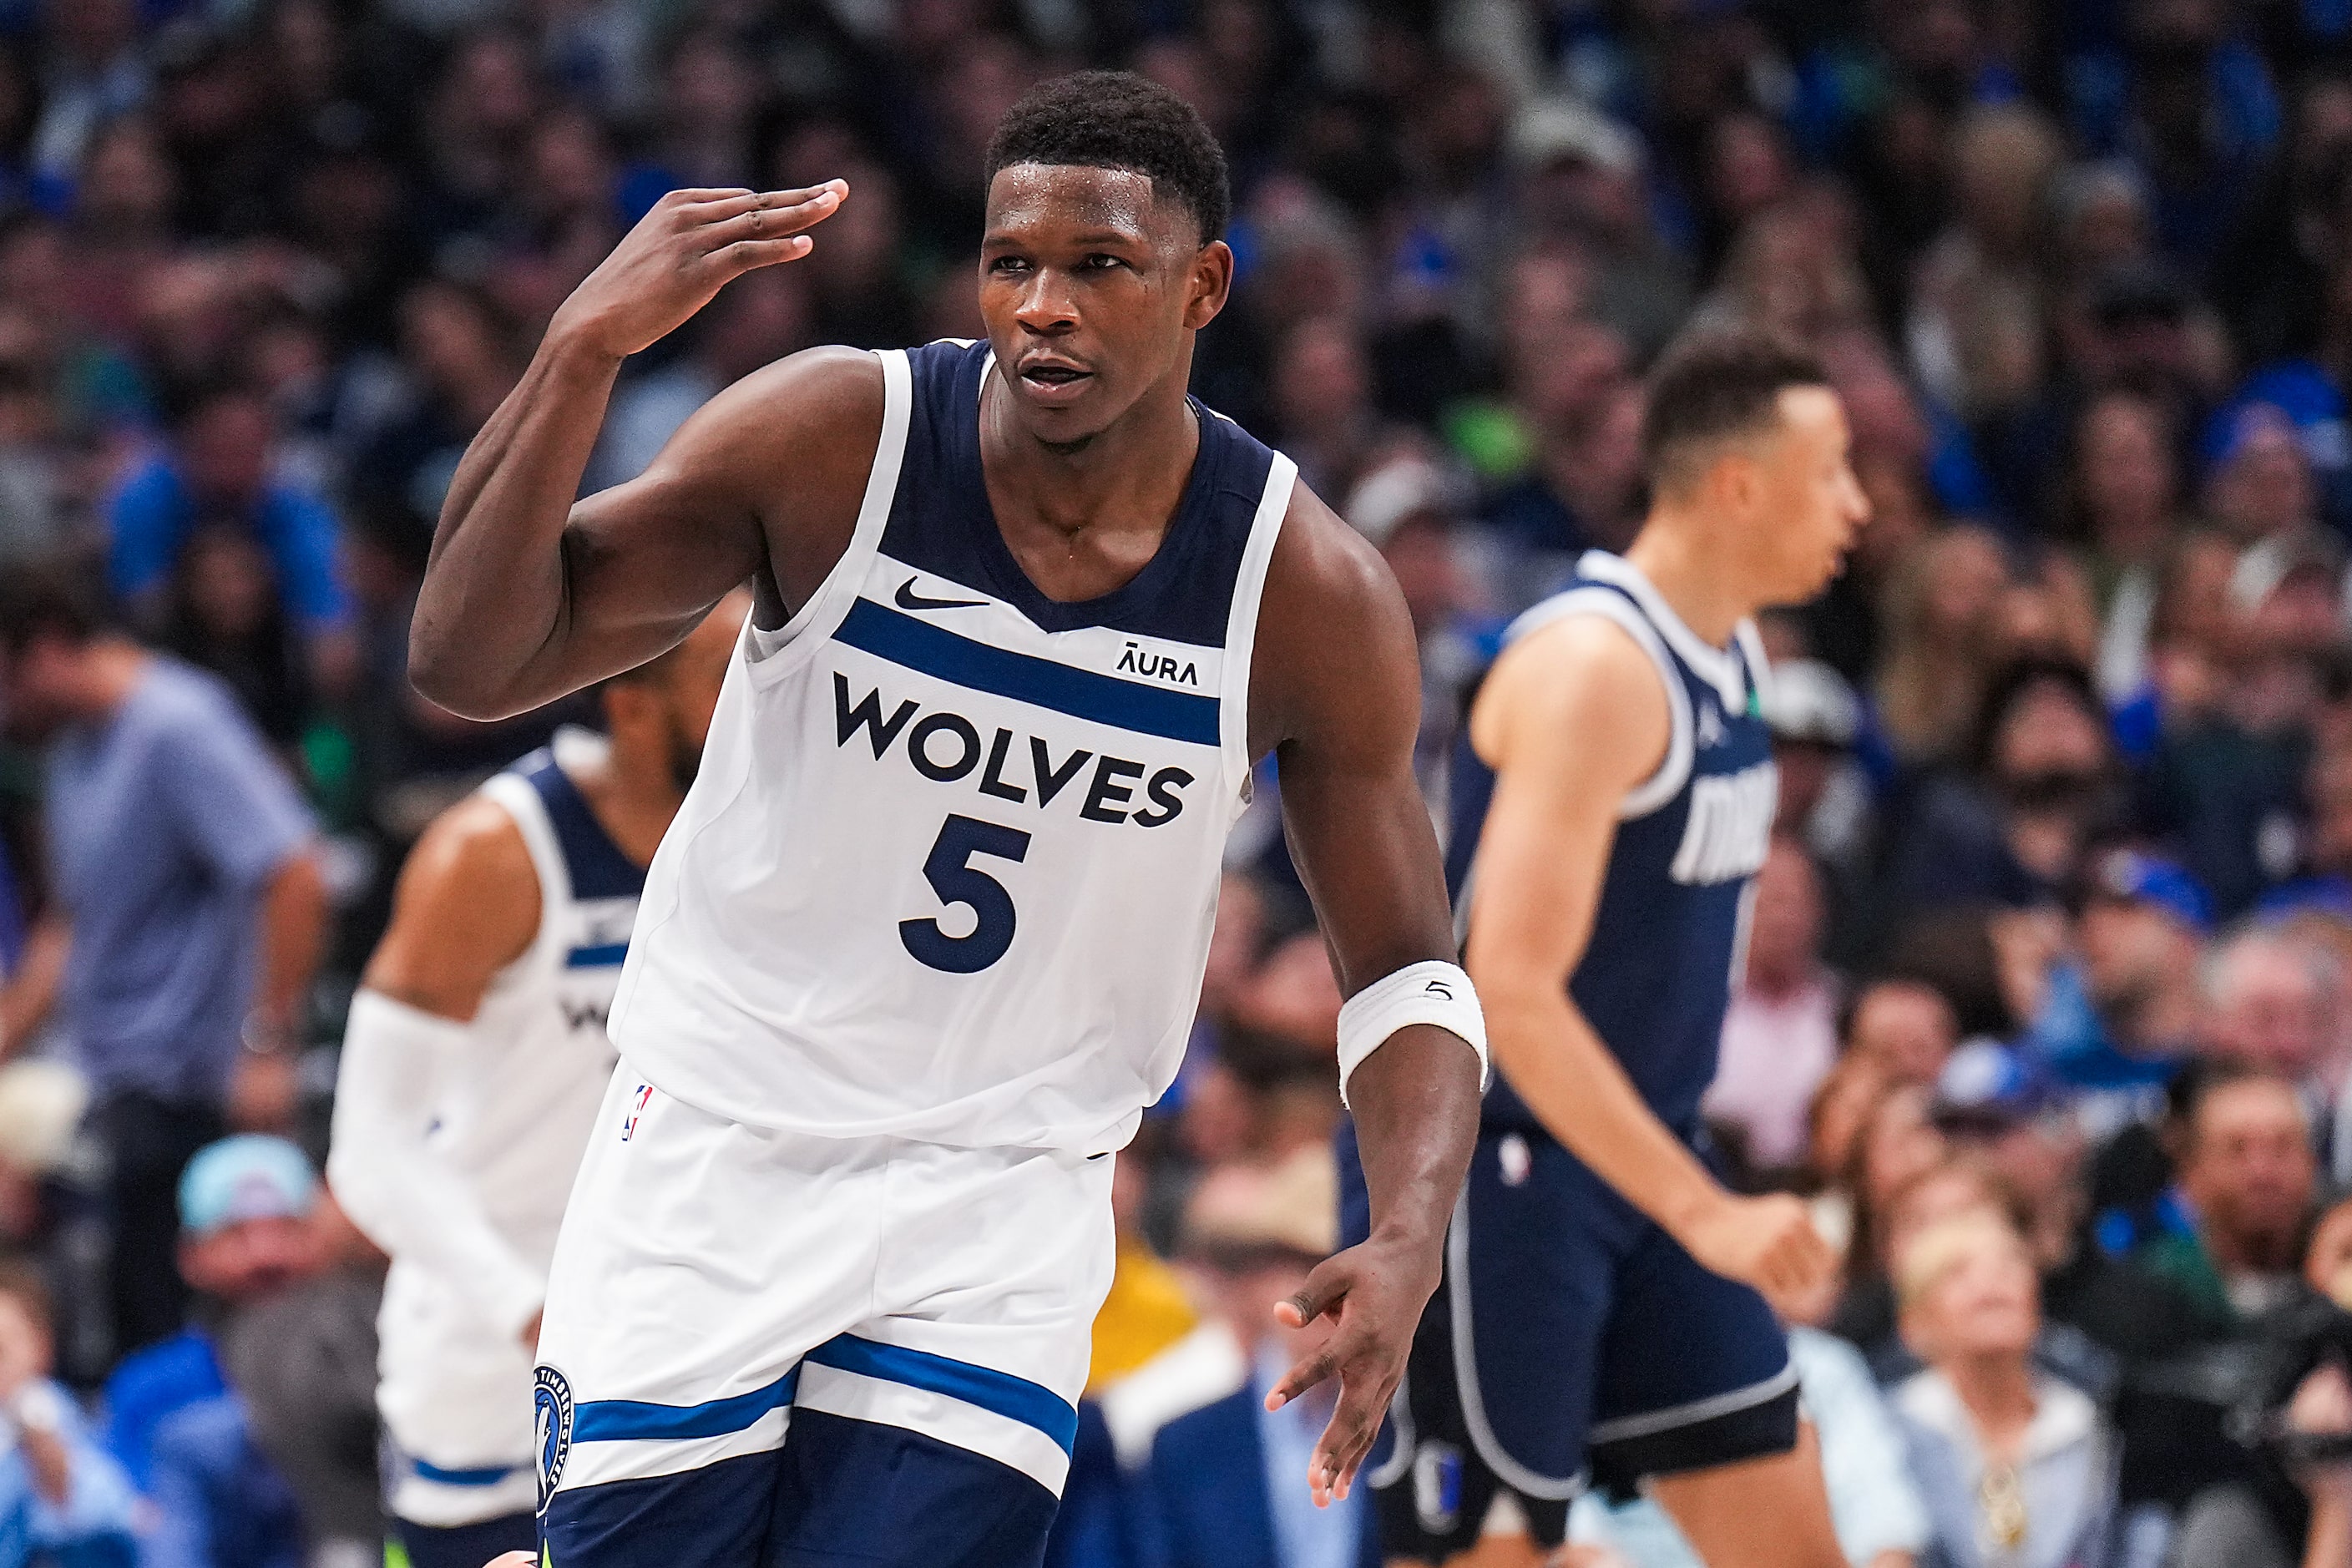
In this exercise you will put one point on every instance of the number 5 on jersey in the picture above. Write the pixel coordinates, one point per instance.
(953, 876)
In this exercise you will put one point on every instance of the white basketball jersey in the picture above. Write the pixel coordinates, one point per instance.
(949, 868)
(517, 1105)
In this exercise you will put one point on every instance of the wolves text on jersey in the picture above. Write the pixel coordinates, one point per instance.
(946, 748)
(1729, 832)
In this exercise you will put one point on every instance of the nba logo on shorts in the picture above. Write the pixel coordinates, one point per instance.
(1437, 1486)
(552, 1427)
(643, 1097)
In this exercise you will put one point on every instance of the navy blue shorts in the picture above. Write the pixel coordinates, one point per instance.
(1573, 1343)
(839, 1491)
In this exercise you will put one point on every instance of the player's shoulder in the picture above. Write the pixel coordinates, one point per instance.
(1321, 567)
(1578, 670)
(474, 847)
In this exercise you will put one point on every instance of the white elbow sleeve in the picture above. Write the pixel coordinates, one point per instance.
(391, 1184)
(383, 1107)
(1433, 992)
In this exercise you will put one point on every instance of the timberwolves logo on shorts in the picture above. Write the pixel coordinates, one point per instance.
(551, 1415)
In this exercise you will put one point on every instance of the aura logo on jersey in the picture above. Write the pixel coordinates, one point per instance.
(946, 748)
(1730, 831)
(551, 1399)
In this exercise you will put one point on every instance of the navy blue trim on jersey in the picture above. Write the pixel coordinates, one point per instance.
(942, 524)
(918, 644)
(609, 956)
(1015, 1398)
(597, 867)
(624, 1420)
(488, 1477)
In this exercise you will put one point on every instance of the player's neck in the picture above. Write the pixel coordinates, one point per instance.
(1690, 574)
(1130, 474)
(634, 804)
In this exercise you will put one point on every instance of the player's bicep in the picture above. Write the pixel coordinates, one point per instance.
(1337, 646)
(1572, 721)
(780, 456)
(466, 905)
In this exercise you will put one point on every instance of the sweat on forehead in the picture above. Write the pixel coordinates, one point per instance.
(1081, 196)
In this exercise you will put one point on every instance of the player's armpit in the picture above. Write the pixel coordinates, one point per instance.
(466, 905)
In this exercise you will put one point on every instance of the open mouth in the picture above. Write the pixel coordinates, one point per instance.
(1054, 379)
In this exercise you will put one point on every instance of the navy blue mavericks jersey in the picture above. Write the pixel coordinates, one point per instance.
(1671, 929)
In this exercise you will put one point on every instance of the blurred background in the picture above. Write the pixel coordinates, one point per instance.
(2049, 1005)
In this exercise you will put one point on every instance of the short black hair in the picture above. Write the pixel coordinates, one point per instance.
(1118, 119)
(1714, 385)
(47, 598)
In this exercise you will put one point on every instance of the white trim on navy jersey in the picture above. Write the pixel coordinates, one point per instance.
(1713, 665)
(1673, 768)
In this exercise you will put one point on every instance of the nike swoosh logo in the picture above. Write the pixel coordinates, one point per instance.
(909, 599)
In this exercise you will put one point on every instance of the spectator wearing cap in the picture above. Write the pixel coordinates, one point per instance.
(2016, 1466)
(256, 1434)
(1220, 1488)
(1779, 1035)
(188, 902)
(2120, 1017)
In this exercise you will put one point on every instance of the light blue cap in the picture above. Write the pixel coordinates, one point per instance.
(251, 1176)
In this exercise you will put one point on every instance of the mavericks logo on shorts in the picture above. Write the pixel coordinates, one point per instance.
(551, 1421)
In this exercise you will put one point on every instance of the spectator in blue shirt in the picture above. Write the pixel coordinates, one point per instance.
(186, 897)
(240, 1475)
(64, 1501)
(215, 472)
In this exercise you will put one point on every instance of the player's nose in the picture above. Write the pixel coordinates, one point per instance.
(1047, 305)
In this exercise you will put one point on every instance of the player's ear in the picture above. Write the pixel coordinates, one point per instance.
(1211, 283)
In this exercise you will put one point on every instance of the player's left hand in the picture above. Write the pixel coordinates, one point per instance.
(1374, 1294)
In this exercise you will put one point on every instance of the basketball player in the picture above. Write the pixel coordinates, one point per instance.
(1600, 1320)
(929, 933)
(472, 1067)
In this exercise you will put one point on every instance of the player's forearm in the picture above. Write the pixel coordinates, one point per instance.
(1416, 1107)
(1559, 1068)
(491, 615)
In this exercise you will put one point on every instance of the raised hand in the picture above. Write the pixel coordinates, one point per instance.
(690, 246)
(1374, 1294)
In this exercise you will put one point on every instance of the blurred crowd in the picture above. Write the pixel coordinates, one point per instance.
(2048, 1004)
